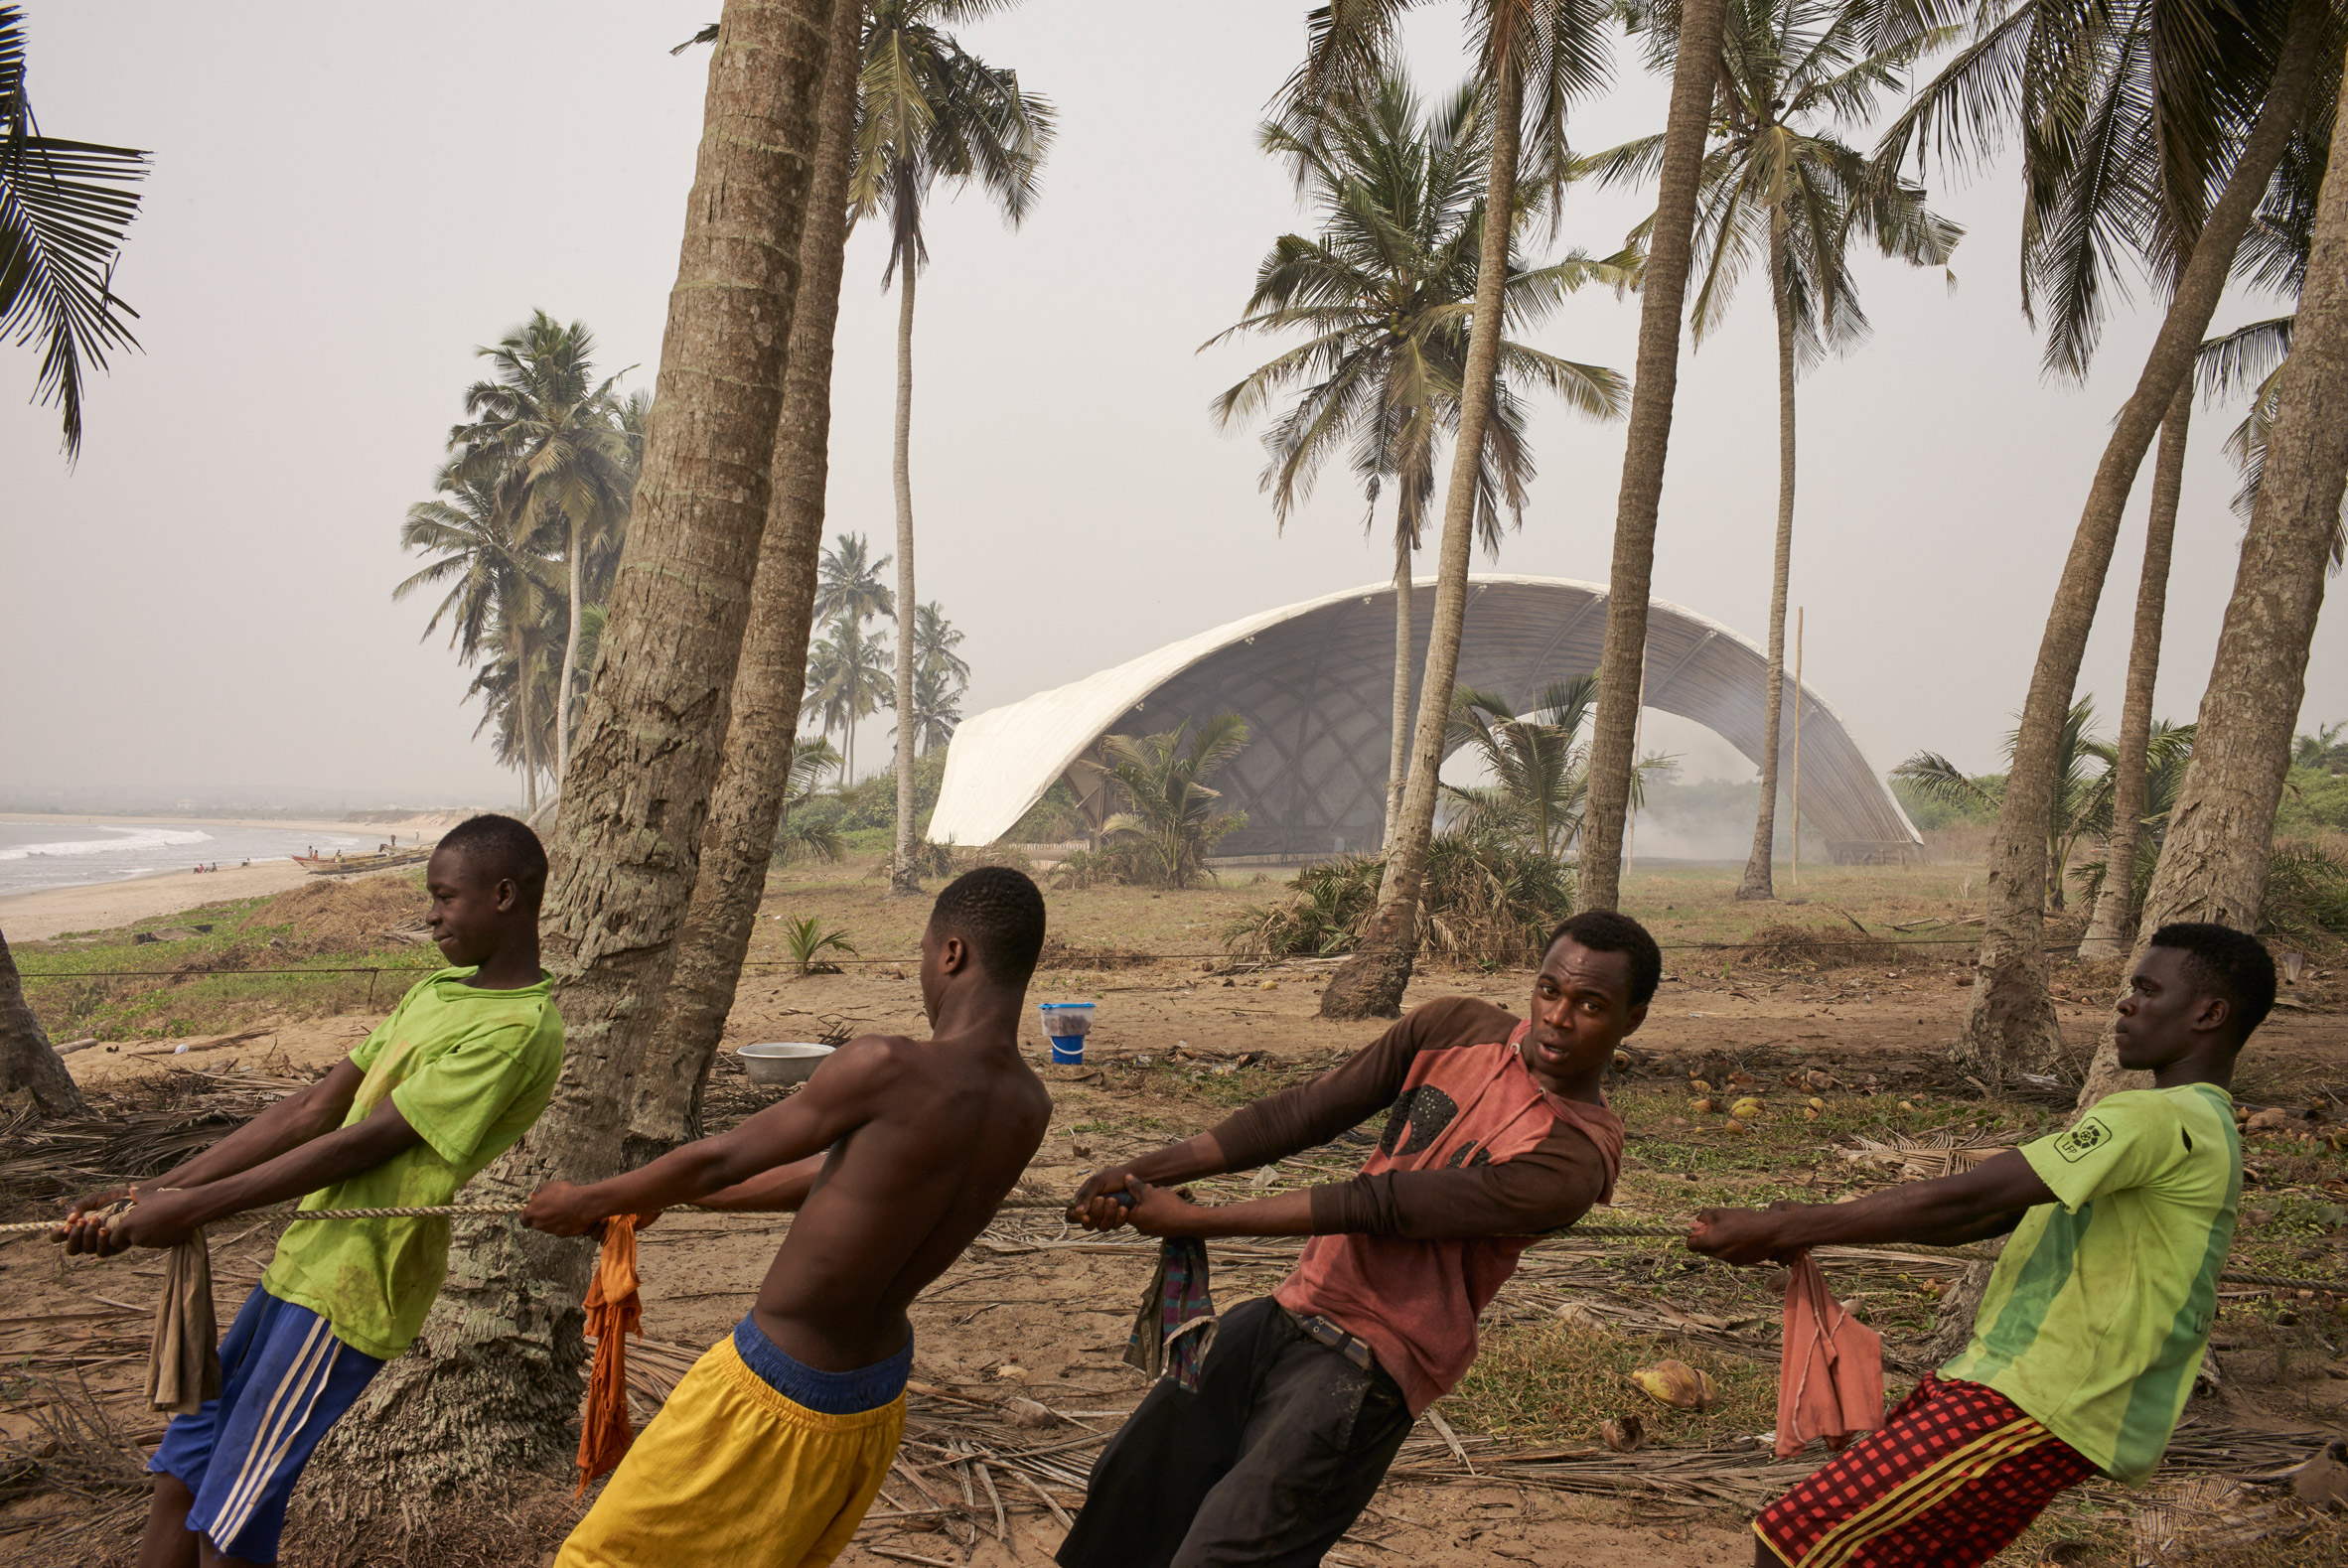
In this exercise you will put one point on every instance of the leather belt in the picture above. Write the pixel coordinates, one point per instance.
(1322, 1331)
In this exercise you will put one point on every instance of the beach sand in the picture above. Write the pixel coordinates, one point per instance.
(103, 906)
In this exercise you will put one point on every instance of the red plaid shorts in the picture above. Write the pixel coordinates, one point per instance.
(1954, 1476)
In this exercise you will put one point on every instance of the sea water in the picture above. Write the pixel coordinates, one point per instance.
(66, 854)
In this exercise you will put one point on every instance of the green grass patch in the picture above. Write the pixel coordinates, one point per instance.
(1554, 1383)
(282, 956)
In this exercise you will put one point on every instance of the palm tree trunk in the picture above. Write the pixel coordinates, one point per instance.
(2215, 857)
(570, 668)
(746, 809)
(903, 879)
(526, 734)
(2107, 925)
(494, 1385)
(28, 1063)
(1370, 983)
(1397, 764)
(1758, 883)
(2011, 1018)
(1614, 733)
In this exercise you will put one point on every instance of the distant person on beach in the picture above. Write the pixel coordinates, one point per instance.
(2095, 1318)
(1496, 1131)
(460, 1069)
(775, 1444)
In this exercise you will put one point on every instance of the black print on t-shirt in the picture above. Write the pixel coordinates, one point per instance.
(1425, 1111)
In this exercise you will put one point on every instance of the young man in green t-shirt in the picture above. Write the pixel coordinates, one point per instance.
(2095, 1318)
(444, 1086)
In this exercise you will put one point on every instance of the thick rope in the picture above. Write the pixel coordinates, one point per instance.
(1628, 1232)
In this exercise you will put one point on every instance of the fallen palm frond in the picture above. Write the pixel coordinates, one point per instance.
(1817, 948)
(140, 1129)
(1922, 1157)
(1485, 901)
(75, 1456)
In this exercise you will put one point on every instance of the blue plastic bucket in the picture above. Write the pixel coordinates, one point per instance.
(1067, 1023)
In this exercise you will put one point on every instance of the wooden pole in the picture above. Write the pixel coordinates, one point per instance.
(1798, 746)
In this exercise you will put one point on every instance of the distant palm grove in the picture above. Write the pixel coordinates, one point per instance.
(526, 533)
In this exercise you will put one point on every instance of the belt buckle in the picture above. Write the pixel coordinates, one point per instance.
(1336, 1338)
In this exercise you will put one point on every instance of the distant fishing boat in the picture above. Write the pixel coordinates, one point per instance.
(350, 865)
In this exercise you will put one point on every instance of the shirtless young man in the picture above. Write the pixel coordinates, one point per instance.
(775, 1444)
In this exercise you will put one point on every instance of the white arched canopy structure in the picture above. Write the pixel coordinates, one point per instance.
(1315, 683)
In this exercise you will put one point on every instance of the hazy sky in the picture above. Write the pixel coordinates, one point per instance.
(347, 199)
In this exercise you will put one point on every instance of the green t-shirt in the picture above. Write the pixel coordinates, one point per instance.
(470, 1069)
(2099, 1310)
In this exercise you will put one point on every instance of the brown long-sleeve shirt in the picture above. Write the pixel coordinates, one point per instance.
(1475, 1159)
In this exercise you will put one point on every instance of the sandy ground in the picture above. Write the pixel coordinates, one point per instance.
(42, 914)
(1052, 1327)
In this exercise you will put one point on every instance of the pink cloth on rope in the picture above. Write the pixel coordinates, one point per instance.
(1829, 1380)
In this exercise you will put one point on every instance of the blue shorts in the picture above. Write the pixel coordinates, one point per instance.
(284, 1379)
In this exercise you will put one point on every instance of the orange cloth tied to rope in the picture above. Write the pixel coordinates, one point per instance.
(1829, 1380)
(614, 1311)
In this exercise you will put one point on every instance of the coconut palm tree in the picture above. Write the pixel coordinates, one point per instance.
(848, 584)
(1534, 58)
(937, 708)
(1539, 780)
(545, 426)
(64, 208)
(2217, 855)
(932, 112)
(935, 640)
(2083, 789)
(1383, 292)
(1171, 808)
(849, 681)
(1782, 188)
(499, 590)
(2153, 129)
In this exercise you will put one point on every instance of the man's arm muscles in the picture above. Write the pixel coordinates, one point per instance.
(785, 1187)
(835, 1101)
(1975, 1203)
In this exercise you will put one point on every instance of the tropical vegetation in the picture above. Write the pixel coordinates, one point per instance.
(523, 535)
(1781, 189)
(1382, 294)
(1169, 823)
(929, 112)
(64, 206)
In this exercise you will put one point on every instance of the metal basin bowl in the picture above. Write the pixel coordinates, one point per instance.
(781, 1062)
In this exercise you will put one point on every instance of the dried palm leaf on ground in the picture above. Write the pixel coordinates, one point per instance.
(1922, 1157)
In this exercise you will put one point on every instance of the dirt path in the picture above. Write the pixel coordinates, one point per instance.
(1039, 1313)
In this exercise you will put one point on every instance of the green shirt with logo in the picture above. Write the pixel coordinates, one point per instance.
(2100, 1308)
(470, 1069)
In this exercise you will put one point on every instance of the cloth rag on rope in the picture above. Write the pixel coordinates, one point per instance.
(1829, 1380)
(184, 1360)
(614, 1311)
(1176, 1323)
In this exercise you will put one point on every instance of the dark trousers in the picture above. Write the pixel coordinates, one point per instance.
(1266, 1464)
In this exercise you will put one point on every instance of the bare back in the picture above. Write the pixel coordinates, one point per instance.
(950, 1126)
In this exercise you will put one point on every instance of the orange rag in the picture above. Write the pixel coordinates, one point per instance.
(1830, 1375)
(613, 1312)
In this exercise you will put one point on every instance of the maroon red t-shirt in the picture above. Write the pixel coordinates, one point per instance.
(1475, 1160)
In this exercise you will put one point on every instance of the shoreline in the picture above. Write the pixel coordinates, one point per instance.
(42, 912)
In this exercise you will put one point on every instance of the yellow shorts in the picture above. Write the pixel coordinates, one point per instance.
(731, 1472)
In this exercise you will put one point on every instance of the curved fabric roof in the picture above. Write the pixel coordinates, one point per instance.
(1315, 683)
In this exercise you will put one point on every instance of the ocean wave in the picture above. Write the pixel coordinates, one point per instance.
(146, 838)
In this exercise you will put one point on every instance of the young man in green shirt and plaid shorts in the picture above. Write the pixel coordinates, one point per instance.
(2094, 1321)
(458, 1070)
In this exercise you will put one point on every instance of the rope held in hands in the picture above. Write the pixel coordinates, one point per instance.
(1628, 1232)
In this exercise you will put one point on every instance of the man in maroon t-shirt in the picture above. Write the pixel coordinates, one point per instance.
(1496, 1131)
